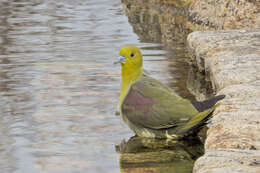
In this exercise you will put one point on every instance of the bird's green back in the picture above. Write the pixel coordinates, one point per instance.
(151, 104)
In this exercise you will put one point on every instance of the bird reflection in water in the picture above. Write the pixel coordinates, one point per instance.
(147, 155)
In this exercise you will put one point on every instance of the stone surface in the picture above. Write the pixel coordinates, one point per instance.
(233, 54)
(224, 14)
(231, 62)
(225, 161)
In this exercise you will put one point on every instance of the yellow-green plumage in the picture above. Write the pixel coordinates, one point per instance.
(152, 109)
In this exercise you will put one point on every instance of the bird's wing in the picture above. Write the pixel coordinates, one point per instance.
(151, 104)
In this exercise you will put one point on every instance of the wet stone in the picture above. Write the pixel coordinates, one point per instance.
(230, 61)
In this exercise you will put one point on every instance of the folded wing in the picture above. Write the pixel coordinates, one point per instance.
(153, 105)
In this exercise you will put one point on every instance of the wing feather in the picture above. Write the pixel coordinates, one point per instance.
(153, 105)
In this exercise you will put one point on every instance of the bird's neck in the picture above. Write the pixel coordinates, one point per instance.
(129, 77)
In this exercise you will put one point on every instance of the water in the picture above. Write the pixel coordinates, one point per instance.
(59, 88)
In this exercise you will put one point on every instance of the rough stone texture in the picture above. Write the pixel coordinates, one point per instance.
(230, 53)
(225, 161)
(224, 14)
(231, 61)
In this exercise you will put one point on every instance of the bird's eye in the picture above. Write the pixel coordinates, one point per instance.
(132, 55)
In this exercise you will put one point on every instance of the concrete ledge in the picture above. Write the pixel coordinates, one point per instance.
(231, 61)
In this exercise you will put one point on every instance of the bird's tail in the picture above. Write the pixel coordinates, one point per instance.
(207, 104)
(196, 121)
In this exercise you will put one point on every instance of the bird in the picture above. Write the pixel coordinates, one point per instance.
(154, 110)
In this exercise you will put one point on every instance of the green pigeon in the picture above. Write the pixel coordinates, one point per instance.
(153, 110)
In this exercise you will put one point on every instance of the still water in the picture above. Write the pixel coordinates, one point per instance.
(59, 88)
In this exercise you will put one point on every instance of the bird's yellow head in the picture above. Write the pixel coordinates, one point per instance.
(131, 62)
(130, 57)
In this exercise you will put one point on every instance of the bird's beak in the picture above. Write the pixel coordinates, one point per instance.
(120, 60)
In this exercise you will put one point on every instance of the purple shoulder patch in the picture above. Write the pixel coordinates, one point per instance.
(135, 101)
